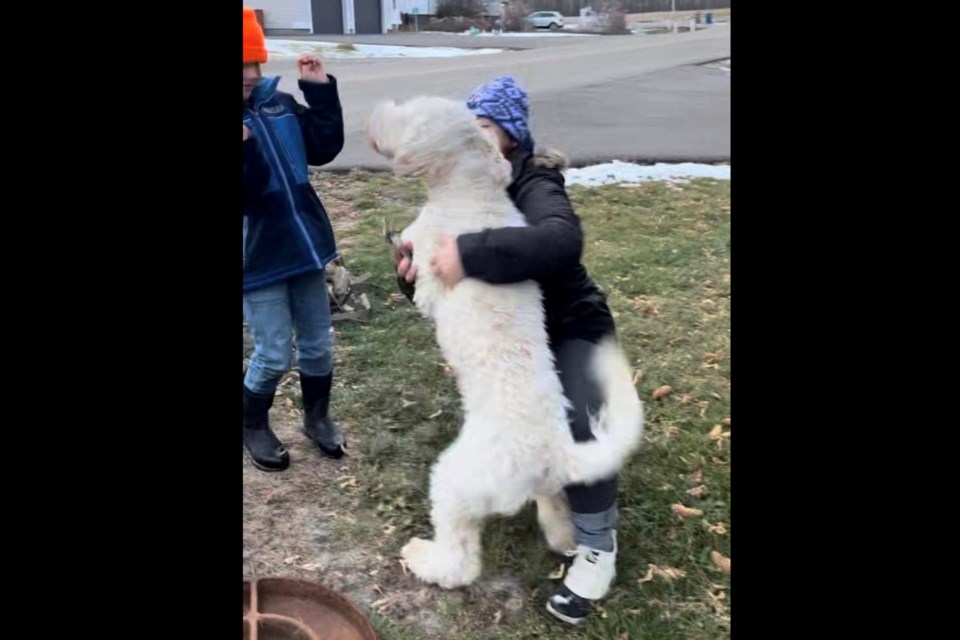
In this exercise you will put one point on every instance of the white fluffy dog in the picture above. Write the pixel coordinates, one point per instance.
(515, 444)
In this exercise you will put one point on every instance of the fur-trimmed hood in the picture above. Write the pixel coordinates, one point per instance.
(547, 163)
(550, 159)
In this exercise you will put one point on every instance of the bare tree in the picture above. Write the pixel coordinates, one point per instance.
(611, 17)
(460, 8)
(514, 14)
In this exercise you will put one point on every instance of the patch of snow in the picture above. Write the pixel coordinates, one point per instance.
(617, 172)
(333, 50)
(723, 65)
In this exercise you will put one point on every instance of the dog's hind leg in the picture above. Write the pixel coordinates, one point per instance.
(452, 558)
(553, 514)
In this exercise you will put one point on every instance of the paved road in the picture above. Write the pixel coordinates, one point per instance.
(596, 99)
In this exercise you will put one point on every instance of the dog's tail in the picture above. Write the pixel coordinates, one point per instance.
(618, 428)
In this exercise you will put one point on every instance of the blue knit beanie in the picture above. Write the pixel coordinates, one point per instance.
(504, 102)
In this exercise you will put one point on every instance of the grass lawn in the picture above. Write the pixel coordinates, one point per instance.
(662, 253)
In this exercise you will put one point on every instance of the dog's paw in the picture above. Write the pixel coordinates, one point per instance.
(436, 565)
(416, 554)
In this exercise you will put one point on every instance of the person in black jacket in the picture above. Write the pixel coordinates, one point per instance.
(547, 251)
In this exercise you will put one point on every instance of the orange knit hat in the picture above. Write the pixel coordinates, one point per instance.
(254, 43)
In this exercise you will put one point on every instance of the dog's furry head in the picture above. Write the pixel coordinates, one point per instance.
(432, 137)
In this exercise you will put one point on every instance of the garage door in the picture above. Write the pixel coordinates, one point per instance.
(367, 14)
(327, 16)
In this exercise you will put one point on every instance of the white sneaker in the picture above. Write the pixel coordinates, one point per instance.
(588, 579)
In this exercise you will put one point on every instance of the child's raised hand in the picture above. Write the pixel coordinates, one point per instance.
(311, 69)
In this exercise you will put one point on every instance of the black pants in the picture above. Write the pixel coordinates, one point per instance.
(574, 358)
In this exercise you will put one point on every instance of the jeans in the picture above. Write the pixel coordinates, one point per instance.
(300, 306)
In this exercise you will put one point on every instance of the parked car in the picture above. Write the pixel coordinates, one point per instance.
(545, 20)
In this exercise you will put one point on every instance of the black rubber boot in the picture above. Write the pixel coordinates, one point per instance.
(264, 448)
(317, 423)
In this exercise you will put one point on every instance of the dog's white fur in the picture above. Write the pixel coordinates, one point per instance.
(515, 444)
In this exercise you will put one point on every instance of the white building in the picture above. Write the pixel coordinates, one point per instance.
(331, 16)
(344, 16)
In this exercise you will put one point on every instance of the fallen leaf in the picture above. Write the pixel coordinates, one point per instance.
(651, 311)
(558, 573)
(698, 492)
(685, 512)
(716, 601)
(672, 431)
(667, 573)
(389, 529)
(716, 433)
(406, 403)
(696, 477)
(377, 588)
(718, 461)
(726, 422)
(436, 415)
(403, 565)
(718, 529)
(638, 376)
(291, 559)
(721, 561)
(311, 566)
(497, 616)
(660, 392)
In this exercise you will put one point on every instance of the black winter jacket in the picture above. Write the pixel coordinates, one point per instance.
(547, 251)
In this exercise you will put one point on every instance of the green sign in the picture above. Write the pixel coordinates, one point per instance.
(416, 10)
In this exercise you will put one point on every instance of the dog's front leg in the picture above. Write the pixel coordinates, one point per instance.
(429, 289)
